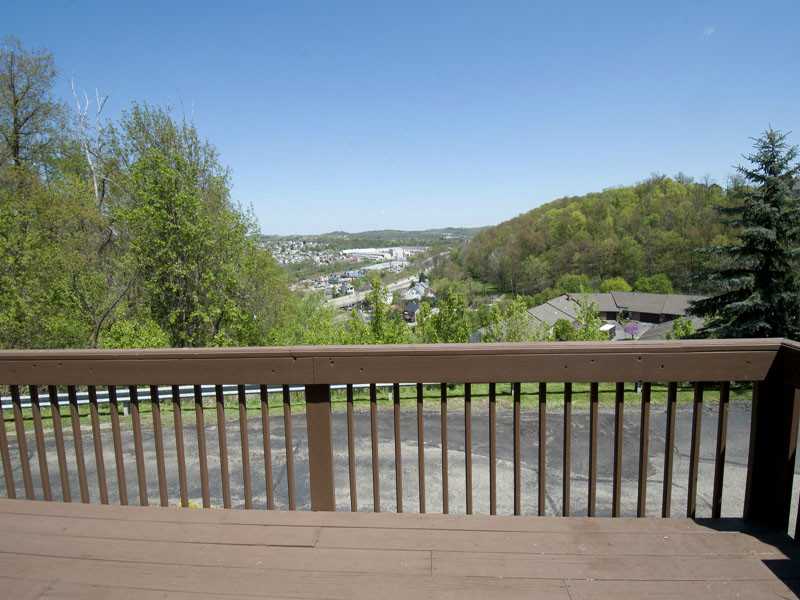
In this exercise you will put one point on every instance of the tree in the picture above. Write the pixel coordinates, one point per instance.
(450, 324)
(615, 284)
(510, 322)
(654, 284)
(572, 283)
(757, 275)
(681, 328)
(28, 113)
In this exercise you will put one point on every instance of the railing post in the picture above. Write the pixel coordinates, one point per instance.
(320, 449)
(773, 443)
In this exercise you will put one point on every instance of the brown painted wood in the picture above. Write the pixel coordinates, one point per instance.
(22, 442)
(179, 445)
(492, 449)
(619, 419)
(542, 454)
(5, 454)
(77, 438)
(694, 452)
(58, 432)
(289, 445)
(351, 451)
(245, 444)
(421, 447)
(320, 447)
(517, 392)
(644, 449)
(41, 450)
(373, 424)
(594, 400)
(119, 457)
(468, 445)
(267, 444)
(398, 451)
(136, 422)
(566, 463)
(669, 444)
(127, 552)
(97, 439)
(202, 452)
(685, 360)
(445, 487)
(722, 442)
(773, 444)
(222, 436)
(158, 435)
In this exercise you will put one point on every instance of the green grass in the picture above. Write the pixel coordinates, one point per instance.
(529, 399)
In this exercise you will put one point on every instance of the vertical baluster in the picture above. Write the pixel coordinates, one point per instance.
(179, 447)
(41, 452)
(421, 447)
(722, 436)
(594, 401)
(202, 452)
(77, 439)
(517, 450)
(136, 421)
(468, 443)
(445, 490)
(265, 434)
(287, 433)
(97, 440)
(373, 423)
(158, 434)
(22, 442)
(351, 450)
(58, 430)
(8, 473)
(694, 455)
(223, 447)
(619, 407)
(669, 442)
(122, 485)
(644, 445)
(248, 486)
(542, 476)
(566, 471)
(492, 449)
(398, 454)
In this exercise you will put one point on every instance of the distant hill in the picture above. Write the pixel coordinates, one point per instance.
(652, 227)
(388, 237)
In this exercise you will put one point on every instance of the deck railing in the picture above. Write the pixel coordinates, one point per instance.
(28, 377)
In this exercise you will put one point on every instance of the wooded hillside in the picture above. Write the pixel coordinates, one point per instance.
(631, 232)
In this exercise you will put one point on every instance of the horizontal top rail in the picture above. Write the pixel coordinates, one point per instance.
(685, 360)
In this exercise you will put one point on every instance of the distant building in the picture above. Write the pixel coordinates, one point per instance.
(653, 314)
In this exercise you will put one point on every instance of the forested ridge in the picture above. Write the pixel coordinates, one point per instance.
(633, 232)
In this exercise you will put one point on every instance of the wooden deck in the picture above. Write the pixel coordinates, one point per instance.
(54, 550)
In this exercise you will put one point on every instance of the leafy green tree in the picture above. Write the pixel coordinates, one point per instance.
(572, 283)
(450, 324)
(141, 333)
(681, 328)
(307, 320)
(654, 284)
(615, 284)
(29, 116)
(510, 322)
(758, 274)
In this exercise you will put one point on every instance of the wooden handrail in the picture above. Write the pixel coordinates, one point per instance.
(773, 365)
(687, 360)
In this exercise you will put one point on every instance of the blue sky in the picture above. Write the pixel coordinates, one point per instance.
(362, 115)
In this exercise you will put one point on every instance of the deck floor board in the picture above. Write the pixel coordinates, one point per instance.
(55, 550)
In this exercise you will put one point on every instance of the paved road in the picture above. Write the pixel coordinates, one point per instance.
(735, 471)
(353, 299)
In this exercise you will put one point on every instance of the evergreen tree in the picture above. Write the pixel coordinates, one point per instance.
(757, 275)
